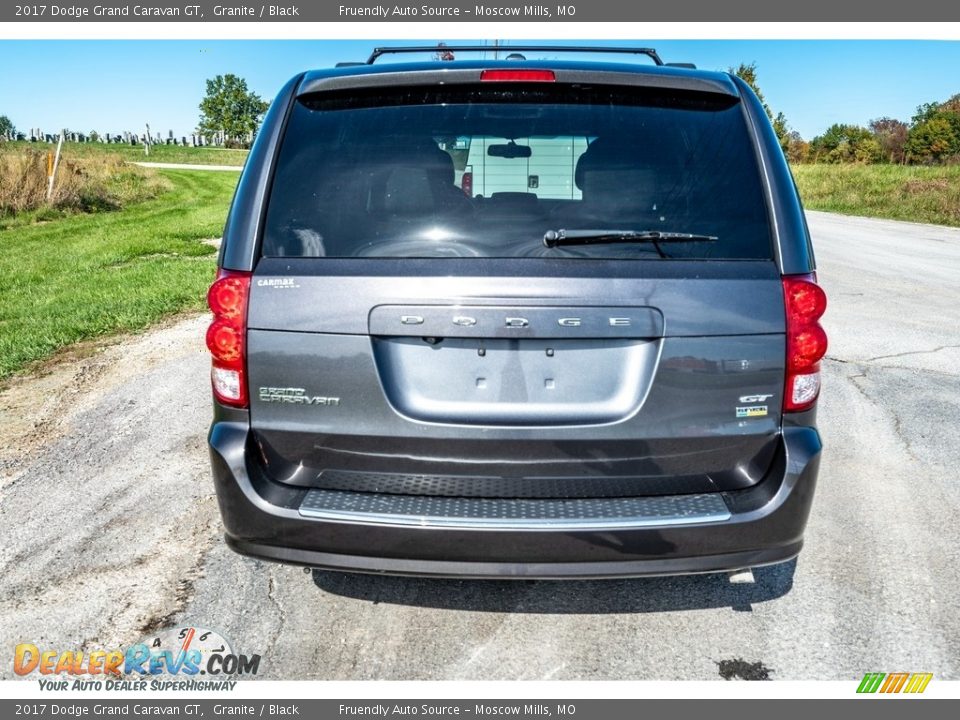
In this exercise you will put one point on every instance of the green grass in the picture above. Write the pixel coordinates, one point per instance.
(917, 194)
(93, 275)
(134, 153)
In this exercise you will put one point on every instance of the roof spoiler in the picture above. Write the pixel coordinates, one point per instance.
(380, 51)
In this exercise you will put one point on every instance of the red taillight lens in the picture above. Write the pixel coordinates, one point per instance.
(806, 347)
(226, 336)
(517, 76)
(466, 183)
(805, 302)
(227, 296)
(225, 341)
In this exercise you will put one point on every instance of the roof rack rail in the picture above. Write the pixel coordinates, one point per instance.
(377, 52)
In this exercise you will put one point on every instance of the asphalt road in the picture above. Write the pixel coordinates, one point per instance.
(109, 529)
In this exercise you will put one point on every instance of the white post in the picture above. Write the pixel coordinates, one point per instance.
(146, 141)
(56, 164)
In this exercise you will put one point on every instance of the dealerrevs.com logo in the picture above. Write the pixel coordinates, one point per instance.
(183, 658)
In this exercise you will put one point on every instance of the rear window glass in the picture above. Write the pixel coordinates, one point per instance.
(486, 171)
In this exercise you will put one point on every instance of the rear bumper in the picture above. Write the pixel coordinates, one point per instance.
(764, 526)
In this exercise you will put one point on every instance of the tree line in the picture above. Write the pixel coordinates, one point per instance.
(229, 113)
(932, 137)
(232, 113)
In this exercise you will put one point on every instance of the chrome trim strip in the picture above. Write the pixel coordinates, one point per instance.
(517, 321)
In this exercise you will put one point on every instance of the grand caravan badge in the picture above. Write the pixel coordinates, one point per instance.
(294, 396)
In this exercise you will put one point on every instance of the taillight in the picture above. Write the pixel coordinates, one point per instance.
(466, 182)
(517, 76)
(805, 303)
(227, 336)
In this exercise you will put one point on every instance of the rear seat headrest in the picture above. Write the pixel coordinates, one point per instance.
(609, 153)
(421, 153)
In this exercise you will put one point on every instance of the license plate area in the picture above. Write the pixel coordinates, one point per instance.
(494, 381)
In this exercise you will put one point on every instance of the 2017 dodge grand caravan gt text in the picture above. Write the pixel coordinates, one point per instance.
(608, 365)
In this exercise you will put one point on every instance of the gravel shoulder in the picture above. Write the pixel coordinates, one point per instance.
(106, 506)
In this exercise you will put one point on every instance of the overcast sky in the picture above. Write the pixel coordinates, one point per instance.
(120, 85)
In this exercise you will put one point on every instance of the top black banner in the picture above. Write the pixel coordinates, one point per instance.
(548, 11)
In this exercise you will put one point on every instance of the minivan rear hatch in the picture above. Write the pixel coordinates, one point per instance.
(409, 334)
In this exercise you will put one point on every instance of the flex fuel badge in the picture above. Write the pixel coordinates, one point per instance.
(753, 411)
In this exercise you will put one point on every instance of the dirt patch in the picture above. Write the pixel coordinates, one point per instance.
(917, 186)
(38, 405)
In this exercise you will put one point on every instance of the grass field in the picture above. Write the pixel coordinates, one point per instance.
(916, 194)
(158, 153)
(91, 275)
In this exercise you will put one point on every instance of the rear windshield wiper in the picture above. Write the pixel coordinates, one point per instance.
(560, 238)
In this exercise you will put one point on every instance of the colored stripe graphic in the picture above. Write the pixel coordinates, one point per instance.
(894, 682)
(914, 683)
(918, 682)
(870, 682)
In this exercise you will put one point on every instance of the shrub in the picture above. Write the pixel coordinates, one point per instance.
(846, 143)
(934, 140)
(92, 184)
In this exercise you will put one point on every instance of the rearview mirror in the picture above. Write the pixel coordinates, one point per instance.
(510, 150)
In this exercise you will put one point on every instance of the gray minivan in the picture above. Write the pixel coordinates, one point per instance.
(410, 377)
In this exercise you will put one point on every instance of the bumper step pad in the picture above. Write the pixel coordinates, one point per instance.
(514, 514)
